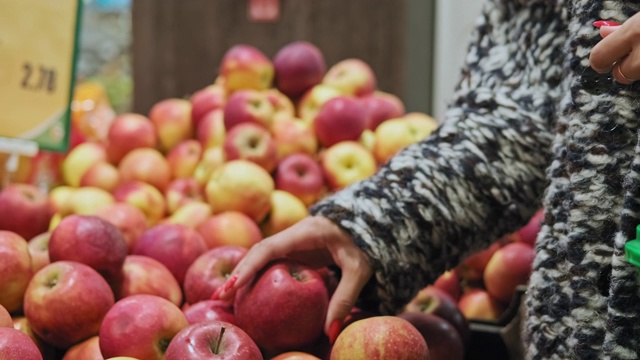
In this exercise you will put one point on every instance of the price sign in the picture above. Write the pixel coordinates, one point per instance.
(38, 52)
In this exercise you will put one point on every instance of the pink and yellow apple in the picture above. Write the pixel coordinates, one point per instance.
(346, 163)
(212, 159)
(393, 135)
(302, 176)
(147, 165)
(192, 214)
(129, 219)
(293, 136)
(181, 192)
(127, 132)
(286, 210)
(172, 120)
(102, 175)
(245, 67)
(313, 99)
(89, 200)
(351, 77)
(39, 251)
(206, 100)
(184, 158)
(282, 106)
(143, 196)
(509, 267)
(60, 197)
(88, 349)
(477, 304)
(382, 106)
(210, 131)
(209, 310)
(253, 143)
(25, 210)
(15, 270)
(248, 106)
(145, 275)
(230, 228)
(80, 159)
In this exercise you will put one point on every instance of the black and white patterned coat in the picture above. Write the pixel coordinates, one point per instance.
(529, 123)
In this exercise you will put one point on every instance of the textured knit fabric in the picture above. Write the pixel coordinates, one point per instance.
(530, 123)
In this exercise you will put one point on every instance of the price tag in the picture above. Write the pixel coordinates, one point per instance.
(38, 52)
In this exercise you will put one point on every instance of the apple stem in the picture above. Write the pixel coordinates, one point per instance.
(216, 349)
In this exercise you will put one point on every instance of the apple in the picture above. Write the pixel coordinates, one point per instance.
(286, 210)
(145, 275)
(293, 136)
(175, 246)
(313, 99)
(346, 163)
(15, 270)
(60, 197)
(182, 191)
(368, 140)
(48, 351)
(172, 121)
(210, 310)
(14, 344)
(192, 214)
(282, 106)
(295, 355)
(248, 106)
(129, 219)
(80, 159)
(212, 159)
(342, 118)
(382, 106)
(127, 132)
(143, 196)
(449, 282)
(528, 233)
(302, 176)
(284, 307)
(393, 135)
(88, 349)
(472, 268)
(245, 67)
(25, 210)
(89, 200)
(352, 77)
(210, 131)
(253, 143)
(210, 271)
(230, 228)
(147, 165)
(509, 267)
(102, 175)
(39, 251)
(477, 304)
(66, 301)
(380, 337)
(212, 340)
(298, 66)
(206, 100)
(5, 318)
(184, 158)
(92, 241)
(431, 300)
(240, 185)
(442, 338)
(140, 326)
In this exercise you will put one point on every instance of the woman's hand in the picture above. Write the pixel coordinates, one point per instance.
(619, 50)
(317, 242)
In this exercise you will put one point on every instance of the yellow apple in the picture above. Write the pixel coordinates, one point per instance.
(212, 159)
(80, 159)
(61, 199)
(292, 136)
(211, 131)
(346, 163)
(143, 196)
(172, 121)
(191, 214)
(230, 228)
(394, 135)
(313, 99)
(286, 210)
(89, 200)
(184, 158)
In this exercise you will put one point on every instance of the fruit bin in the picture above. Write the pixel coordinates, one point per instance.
(499, 340)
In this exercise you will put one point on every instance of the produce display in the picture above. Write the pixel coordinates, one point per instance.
(148, 214)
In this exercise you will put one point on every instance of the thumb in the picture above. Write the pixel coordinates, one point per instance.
(343, 301)
(608, 30)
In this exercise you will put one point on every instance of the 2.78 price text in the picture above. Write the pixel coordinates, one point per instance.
(38, 77)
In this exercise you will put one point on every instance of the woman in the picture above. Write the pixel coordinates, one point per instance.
(531, 121)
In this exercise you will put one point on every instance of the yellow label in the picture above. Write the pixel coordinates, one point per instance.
(37, 59)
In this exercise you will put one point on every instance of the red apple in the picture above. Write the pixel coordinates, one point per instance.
(210, 310)
(66, 301)
(172, 121)
(342, 118)
(210, 131)
(212, 340)
(529, 233)
(127, 132)
(145, 275)
(345, 163)
(442, 338)
(293, 136)
(477, 304)
(203, 101)
(449, 282)
(102, 175)
(184, 158)
(472, 268)
(210, 271)
(253, 143)
(14, 344)
(140, 326)
(143, 196)
(80, 159)
(248, 106)
(88, 349)
(302, 176)
(180, 192)
(47, 350)
(246, 67)
(175, 246)
(15, 270)
(284, 307)
(352, 77)
(382, 106)
(92, 241)
(380, 337)
(282, 106)
(129, 219)
(509, 267)
(298, 66)
(230, 228)
(147, 165)
(432, 300)
(39, 251)
(295, 355)
(313, 99)
(5, 318)
(25, 210)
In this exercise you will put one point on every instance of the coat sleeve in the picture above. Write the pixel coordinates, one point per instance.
(477, 177)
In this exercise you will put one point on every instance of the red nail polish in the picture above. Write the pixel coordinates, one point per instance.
(216, 294)
(230, 282)
(334, 330)
(601, 23)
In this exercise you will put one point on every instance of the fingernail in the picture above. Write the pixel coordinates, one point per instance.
(216, 294)
(601, 23)
(334, 330)
(230, 282)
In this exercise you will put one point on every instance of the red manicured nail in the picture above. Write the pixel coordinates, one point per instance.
(334, 330)
(230, 282)
(216, 294)
(601, 23)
